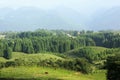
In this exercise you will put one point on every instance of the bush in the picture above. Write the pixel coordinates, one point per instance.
(10, 63)
(2, 64)
(113, 68)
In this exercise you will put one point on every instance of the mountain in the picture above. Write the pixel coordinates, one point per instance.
(33, 18)
(30, 18)
(106, 19)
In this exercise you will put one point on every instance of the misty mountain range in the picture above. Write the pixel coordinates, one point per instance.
(24, 19)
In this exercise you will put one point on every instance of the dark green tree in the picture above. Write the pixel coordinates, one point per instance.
(113, 67)
(8, 53)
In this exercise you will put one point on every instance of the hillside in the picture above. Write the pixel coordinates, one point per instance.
(89, 52)
(84, 52)
(106, 19)
(31, 18)
(31, 57)
(94, 49)
(39, 73)
(34, 18)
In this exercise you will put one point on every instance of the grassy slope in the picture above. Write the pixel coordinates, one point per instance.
(43, 56)
(38, 73)
(95, 50)
(30, 57)
(2, 59)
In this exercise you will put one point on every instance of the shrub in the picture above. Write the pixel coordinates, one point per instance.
(113, 68)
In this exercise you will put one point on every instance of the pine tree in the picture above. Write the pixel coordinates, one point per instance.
(8, 53)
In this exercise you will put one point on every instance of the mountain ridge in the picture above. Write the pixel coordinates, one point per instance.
(27, 18)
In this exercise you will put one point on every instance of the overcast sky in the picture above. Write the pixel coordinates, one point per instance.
(84, 6)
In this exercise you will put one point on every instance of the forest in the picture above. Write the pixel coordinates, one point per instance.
(81, 51)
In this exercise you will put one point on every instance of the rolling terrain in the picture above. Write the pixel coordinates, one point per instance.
(38, 73)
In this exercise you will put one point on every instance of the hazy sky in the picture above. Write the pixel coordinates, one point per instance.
(84, 6)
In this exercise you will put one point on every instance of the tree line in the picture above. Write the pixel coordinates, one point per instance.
(55, 41)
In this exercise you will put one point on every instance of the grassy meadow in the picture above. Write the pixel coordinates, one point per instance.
(39, 73)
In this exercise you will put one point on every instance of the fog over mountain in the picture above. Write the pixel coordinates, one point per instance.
(106, 19)
(31, 18)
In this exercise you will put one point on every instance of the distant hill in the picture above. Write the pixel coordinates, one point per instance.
(34, 18)
(106, 19)
(30, 18)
